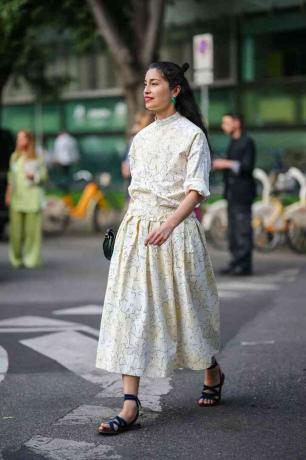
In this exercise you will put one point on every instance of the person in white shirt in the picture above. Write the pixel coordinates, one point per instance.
(66, 154)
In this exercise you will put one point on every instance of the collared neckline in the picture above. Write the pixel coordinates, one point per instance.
(167, 120)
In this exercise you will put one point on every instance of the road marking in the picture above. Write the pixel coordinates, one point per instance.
(150, 390)
(83, 310)
(3, 363)
(71, 349)
(247, 286)
(42, 324)
(85, 414)
(260, 342)
(228, 295)
(269, 282)
(77, 352)
(59, 449)
(12, 330)
(36, 322)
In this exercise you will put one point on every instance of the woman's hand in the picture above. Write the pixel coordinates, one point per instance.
(29, 175)
(7, 198)
(159, 235)
(221, 163)
(125, 170)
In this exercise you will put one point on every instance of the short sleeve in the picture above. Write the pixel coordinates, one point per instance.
(198, 166)
(131, 153)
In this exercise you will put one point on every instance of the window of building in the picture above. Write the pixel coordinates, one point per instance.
(269, 106)
(274, 55)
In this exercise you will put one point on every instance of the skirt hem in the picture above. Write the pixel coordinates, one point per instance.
(160, 374)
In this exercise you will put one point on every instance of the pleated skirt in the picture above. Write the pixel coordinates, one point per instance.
(161, 307)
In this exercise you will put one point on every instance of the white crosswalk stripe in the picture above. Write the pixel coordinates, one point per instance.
(83, 310)
(247, 286)
(90, 414)
(41, 324)
(77, 352)
(72, 349)
(236, 288)
(150, 392)
(3, 363)
(223, 294)
(59, 449)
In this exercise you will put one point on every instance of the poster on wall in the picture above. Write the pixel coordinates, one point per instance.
(109, 114)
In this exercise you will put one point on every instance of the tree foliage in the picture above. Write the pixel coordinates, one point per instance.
(29, 35)
(30, 32)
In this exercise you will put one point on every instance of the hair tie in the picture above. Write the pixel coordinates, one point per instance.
(185, 67)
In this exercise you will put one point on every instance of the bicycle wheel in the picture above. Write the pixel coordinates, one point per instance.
(103, 218)
(264, 240)
(55, 217)
(296, 237)
(218, 230)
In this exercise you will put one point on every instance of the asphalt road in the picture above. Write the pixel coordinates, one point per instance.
(52, 397)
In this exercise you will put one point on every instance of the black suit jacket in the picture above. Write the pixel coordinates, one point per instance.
(240, 188)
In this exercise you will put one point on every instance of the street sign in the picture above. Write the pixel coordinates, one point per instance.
(203, 59)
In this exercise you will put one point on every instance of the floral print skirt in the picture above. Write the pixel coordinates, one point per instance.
(161, 307)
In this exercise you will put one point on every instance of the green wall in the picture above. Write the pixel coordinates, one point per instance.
(273, 115)
(97, 124)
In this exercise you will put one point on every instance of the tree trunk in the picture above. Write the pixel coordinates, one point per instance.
(147, 21)
(1, 108)
(3, 80)
(1, 96)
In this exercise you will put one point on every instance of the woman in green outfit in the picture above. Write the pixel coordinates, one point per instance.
(24, 195)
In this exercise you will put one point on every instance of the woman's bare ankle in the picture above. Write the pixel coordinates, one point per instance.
(212, 376)
(129, 409)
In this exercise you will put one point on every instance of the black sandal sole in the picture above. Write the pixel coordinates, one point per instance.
(136, 426)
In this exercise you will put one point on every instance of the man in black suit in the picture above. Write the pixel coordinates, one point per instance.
(240, 191)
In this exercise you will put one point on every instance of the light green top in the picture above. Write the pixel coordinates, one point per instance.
(26, 195)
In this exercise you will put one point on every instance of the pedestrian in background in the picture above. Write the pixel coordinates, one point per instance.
(141, 120)
(24, 195)
(161, 308)
(66, 154)
(240, 191)
(7, 145)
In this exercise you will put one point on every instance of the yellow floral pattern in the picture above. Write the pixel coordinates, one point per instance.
(161, 307)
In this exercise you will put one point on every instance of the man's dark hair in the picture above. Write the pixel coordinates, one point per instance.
(236, 116)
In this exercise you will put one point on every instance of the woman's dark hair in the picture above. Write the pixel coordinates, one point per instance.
(185, 103)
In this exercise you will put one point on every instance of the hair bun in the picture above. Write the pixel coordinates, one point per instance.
(185, 67)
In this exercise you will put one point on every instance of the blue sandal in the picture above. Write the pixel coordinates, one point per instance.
(212, 392)
(118, 424)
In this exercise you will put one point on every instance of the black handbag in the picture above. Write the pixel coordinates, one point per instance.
(108, 243)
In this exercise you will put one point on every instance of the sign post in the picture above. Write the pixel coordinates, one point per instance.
(203, 66)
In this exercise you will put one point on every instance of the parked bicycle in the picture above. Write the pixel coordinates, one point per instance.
(91, 208)
(286, 222)
(272, 222)
(215, 218)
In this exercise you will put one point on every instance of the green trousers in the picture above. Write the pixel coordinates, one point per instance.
(25, 238)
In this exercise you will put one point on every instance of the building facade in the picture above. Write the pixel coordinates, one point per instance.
(259, 71)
